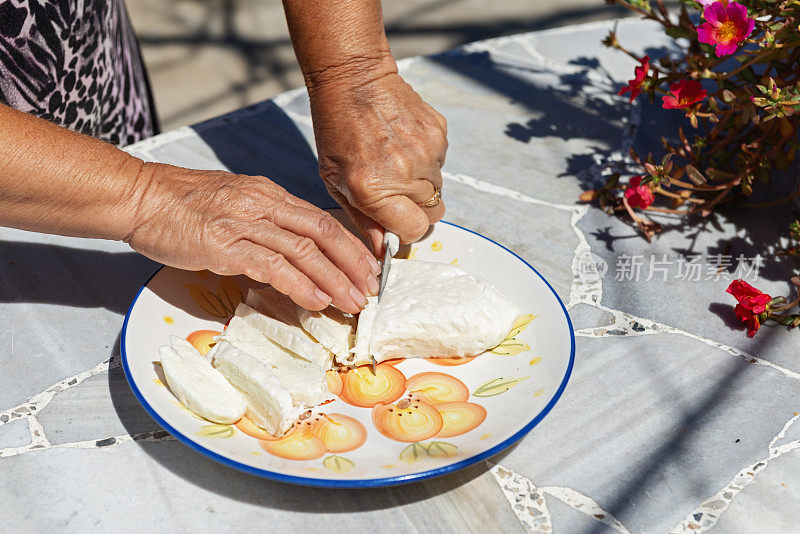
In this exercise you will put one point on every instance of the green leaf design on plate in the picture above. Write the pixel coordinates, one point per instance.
(208, 301)
(511, 346)
(216, 431)
(520, 325)
(229, 294)
(413, 453)
(497, 386)
(338, 464)
(442, 449)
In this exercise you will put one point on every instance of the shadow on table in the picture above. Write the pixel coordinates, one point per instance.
(216, 478)
(43, 273)
(263, 140)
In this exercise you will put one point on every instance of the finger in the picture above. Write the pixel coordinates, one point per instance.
(304, 255)
(401, 215)
(434, 213)
(266, 266)
(333, 240)
(370, 229)
(376, 268)
(422, 190)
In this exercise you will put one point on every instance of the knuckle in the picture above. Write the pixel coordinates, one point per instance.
(327, 227)
(399, 164)
(275, 264)
(306, 248)
(363, 188)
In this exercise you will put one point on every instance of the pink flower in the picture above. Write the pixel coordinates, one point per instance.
(639, 74)
(638, 195)
(683, 94)
(726, 26)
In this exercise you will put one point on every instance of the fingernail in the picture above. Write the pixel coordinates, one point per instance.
(323, 297)
(358, 298)
(376, 267)
(372, 284)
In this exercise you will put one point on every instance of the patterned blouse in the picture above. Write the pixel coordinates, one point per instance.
(75, 63)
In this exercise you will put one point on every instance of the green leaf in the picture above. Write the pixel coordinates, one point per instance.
(413, 453)
(676, 32)
(338, 464)
(217, 431)
(497, 386)
(442, 449)
(510, 347)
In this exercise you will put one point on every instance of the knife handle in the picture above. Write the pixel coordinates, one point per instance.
(391, 243)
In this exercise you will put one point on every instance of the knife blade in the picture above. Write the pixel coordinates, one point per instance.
(391, 244)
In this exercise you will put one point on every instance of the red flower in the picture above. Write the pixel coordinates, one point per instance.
(726, 26)
(683, 94)
(638, 195)
(748, 318)
(752, 303)
(639, 75)
(748, 296)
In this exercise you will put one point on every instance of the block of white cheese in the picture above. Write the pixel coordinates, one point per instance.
(201, 388)
(305, 381)
(432, 309)
(279, 321)
(269, 404)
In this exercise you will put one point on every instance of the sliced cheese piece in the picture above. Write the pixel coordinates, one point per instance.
(331, 327)
(278, 322)
(433, 309)
(360, 355)
(200, 387)
(305, 381)
(269, 404)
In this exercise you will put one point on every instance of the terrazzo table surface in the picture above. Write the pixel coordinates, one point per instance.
(673, 421)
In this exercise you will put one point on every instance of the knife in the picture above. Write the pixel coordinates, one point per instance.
(391, 244)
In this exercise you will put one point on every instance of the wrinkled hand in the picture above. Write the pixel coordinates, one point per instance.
(381, 149)
(235, 224)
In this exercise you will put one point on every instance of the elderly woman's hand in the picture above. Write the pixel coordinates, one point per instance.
(381, 149)
(234, 224)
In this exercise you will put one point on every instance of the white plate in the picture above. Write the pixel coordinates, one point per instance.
(504, 395)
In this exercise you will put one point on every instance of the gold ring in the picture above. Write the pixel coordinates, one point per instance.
(434, 200)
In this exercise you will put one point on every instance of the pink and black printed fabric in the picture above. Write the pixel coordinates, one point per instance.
(75, 63)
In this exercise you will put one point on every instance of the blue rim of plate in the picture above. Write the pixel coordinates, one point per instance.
(355, 483)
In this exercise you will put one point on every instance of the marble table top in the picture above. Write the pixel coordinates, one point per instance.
(673, 421)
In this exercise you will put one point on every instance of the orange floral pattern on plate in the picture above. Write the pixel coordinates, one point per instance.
(362, 388)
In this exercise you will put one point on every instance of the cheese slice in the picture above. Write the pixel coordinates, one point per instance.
(331, 327)
(305, 382)
(269, 404)
(279, 322)
(360, 355)
(432, 309)
(200, 387)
